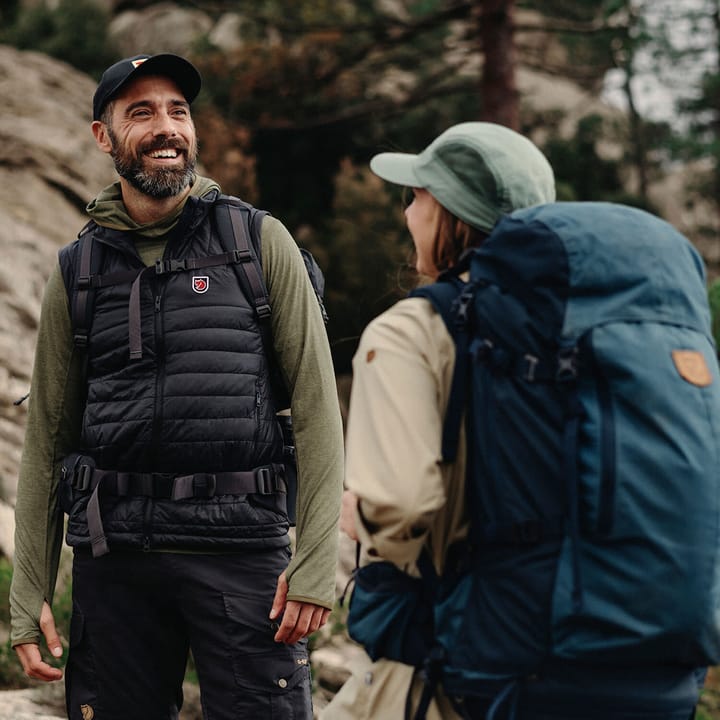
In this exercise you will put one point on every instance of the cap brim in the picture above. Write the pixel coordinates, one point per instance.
(398, 168)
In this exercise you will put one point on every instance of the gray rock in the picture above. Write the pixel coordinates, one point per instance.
(162, 27)
(50, 169)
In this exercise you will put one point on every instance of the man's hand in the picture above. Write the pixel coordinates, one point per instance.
(299, 619)
(29, 653)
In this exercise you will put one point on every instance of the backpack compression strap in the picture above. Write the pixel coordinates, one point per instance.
(451, 298)
(87, 282)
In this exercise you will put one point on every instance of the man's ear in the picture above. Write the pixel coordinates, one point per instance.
(102, 138)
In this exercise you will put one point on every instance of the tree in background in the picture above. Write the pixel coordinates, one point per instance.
(316, 87)
(74, 31)
(498, 91)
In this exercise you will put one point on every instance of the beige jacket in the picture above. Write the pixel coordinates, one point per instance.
(402, 375)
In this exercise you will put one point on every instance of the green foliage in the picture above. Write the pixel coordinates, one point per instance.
(8, 13)
(75, 32)
(581, 173)
(364, 252)
(11, 673)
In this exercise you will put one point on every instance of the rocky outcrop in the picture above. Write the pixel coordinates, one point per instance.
(49, 169)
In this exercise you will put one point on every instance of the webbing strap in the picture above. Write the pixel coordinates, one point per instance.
(509, 694)
(570, 471)
(230, 224)
(135, 319)
(163, 267)
(98, 541)
(458, 397)
(196, 263)
(82, 327)
(265, 480)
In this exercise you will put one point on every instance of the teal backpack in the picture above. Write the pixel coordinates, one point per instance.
(587, 378)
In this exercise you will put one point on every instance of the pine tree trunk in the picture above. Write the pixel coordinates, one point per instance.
(500, 101)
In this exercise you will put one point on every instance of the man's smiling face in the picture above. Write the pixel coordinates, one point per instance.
(154, 145)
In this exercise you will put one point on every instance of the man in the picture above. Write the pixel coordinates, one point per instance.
(171, 399)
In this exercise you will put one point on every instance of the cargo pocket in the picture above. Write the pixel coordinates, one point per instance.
(272, 677)
(80, 677)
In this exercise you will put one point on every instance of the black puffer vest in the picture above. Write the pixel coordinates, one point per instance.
(181, 444)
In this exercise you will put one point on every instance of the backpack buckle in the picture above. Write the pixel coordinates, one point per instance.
(567, 364)
(264, 477)
(241, 256)
(462, 309)
(166, 266)
(81, 478)
(204, 485)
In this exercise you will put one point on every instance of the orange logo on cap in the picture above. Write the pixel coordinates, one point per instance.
(137, 63)
(692, 367)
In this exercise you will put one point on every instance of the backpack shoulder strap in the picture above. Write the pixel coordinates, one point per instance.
(81, 306)
(452, 299)
(239, 226)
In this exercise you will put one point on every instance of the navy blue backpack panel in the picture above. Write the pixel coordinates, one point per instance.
(589, 383)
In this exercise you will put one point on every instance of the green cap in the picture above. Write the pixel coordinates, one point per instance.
(478, 171)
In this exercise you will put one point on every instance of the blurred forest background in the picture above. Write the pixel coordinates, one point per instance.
(623, 96)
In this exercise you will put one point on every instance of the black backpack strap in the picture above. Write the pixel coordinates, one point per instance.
(239, 226)
(81, 310)
(233, 222)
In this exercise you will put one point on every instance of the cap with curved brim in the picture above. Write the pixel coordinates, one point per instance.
(182, 72)
(396, 168)
(478, 171)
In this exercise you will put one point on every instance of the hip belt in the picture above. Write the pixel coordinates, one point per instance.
(84, 478)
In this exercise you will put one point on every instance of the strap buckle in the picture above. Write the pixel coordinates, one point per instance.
(166, 266)
(241, 256)
(204, 485)
(567, 364)
(264, 477)
(80, 340)
(263, 311)
(84, 282)
(81, 478)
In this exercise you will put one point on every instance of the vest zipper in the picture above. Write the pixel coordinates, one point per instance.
(158, 412)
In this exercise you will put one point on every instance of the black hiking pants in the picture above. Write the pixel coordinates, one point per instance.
(136, 615)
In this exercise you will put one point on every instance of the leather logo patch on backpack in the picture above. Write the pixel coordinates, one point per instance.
(87, 712)
(692, 367)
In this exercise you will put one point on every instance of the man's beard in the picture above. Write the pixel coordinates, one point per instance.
(157, 182)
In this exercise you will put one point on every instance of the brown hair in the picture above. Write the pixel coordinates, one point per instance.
(452, 238)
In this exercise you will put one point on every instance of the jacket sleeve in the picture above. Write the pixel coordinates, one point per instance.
(53, 428)
(401, 378)
(303, 352)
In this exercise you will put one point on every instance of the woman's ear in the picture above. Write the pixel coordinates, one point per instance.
(102, 137)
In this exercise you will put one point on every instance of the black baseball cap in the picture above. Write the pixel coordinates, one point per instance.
(183, 73)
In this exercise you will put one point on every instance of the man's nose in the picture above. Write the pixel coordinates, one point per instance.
(164, 125)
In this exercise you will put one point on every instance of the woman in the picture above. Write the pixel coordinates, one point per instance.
(399, 498)
(401, 502)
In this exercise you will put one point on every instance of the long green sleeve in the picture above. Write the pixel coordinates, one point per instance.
(304, 355)
(53, 430)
